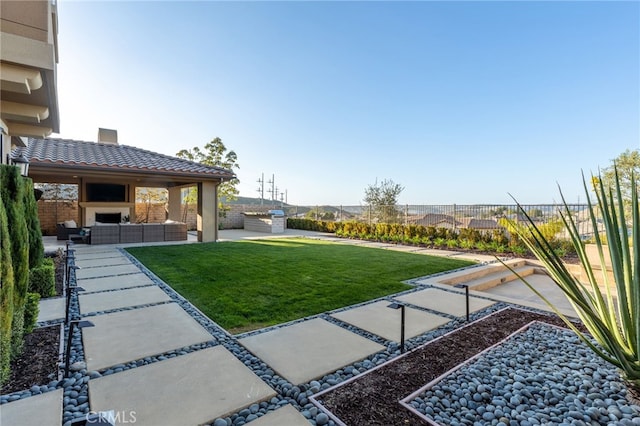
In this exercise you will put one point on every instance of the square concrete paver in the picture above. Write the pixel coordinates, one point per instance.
(125, 336)
(304, 351)
(41, 410)
(516, 291)
(378, 319)
(104, 254)
(114, 283)
(52, 309)
(106, 271)
(186, 390)
(97, 302)
(445, 301)
(286, 415)
(103, 261)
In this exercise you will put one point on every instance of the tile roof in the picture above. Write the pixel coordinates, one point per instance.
(104, 156)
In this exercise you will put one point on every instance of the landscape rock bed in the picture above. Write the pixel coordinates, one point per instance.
(543, 374)
(373, 398)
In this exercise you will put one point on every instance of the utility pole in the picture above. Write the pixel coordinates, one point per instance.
(261, 189)
(272, 182)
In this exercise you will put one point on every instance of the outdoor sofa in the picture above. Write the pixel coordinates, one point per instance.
(66, 228)
(116, 233)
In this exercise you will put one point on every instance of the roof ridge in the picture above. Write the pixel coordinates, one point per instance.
(118, 145)
(100, 155)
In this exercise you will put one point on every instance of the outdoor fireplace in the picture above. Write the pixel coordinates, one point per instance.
(108, 217)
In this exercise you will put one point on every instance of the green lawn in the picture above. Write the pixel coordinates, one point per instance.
(251, 284)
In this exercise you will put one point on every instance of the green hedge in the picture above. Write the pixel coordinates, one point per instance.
(11, 188)
(31, 310)
(6, 295)
(42, 279)
(495, 241)
(36, 247)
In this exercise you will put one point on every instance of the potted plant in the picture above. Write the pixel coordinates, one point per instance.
(607, 303)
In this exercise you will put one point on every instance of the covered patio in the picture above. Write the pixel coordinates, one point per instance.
(107, 175)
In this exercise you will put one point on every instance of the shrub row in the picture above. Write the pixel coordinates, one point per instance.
(21, 250)
(496, 241)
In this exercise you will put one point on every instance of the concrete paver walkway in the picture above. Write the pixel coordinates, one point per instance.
(445, 301)
(186, 390)
(102, 262)
(379, 319)
(39, 410)
(285, 416)
(96, 302)
(51, 309)
(129, 335)
(106, 271)
(109, 283)
(305, 351)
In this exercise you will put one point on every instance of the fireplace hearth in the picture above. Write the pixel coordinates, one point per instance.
(108, 217)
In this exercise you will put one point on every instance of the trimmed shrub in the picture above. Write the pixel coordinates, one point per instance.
(11, 187)
(17, 330)
(42, 279)
(36, 247)
(6, 295)
(31, 310)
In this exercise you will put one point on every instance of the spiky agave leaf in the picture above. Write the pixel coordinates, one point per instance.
(612, 318)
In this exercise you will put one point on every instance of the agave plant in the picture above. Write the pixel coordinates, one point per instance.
(610, 311)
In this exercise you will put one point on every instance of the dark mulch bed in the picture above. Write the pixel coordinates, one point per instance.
(38, 363)
(373, 398)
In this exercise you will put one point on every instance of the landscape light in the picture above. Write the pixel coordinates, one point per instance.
(466, 290)
(400, 306)
(69, 288)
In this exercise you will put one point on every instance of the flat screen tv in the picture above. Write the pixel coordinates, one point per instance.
(106, 192)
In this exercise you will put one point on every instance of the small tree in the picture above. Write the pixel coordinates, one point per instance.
(11, 189)
(318, 213)
(150, 196)
(36, 247)
(60, 193)
(627, 164)
(215, 154)
(6, 295)
(382, 199)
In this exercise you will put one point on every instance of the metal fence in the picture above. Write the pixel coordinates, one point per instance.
(453, 216)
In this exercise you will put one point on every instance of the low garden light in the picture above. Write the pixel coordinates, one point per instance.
(466, 292)
(69, 289)
(400, 306)
(72, 325)
(69, 269)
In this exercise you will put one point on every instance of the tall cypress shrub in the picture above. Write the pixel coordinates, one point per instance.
(36, 247)
(11, 187)
(6, 295)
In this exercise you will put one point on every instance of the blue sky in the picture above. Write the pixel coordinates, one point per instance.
(459, 102)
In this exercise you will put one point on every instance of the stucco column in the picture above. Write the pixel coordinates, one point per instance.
(207, 212)
(175, 203)
(132, 199)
